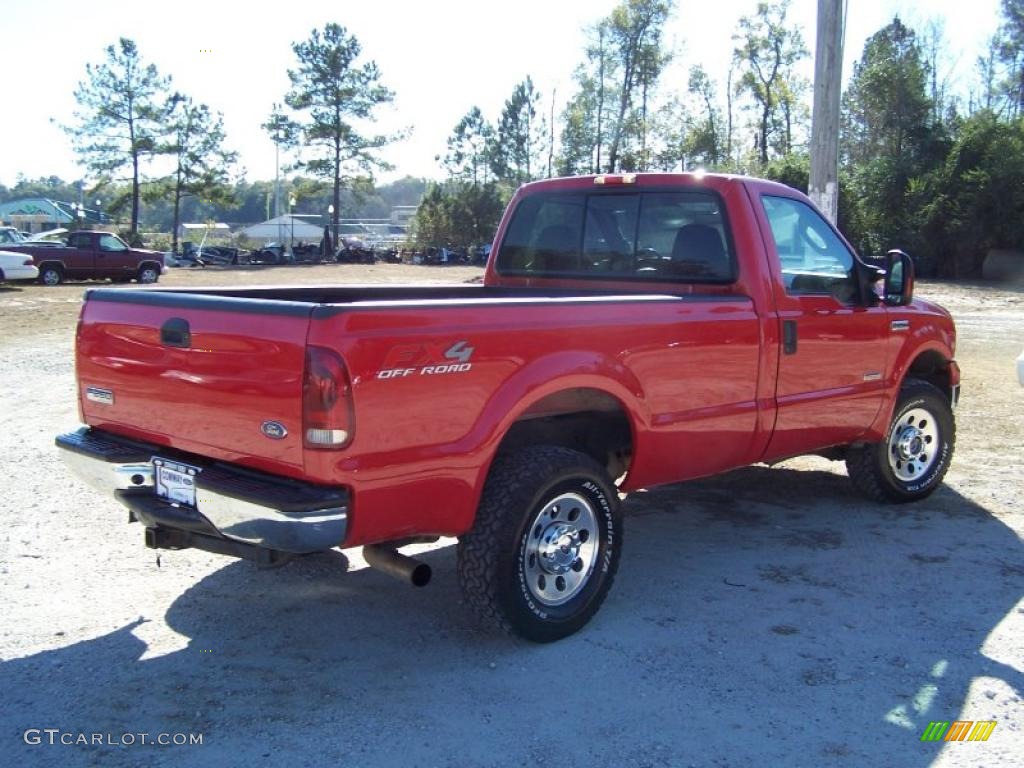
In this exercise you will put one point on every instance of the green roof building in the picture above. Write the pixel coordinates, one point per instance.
(39, 214)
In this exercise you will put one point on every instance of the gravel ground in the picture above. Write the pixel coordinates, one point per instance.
(767, 617)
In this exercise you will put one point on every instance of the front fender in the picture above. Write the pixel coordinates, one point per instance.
(907, 354)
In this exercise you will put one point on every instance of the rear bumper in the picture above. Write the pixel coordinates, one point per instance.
(253, 508)
(12, 274)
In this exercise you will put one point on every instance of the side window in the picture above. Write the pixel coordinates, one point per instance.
(111, 243)
(814, 260)
(78, 241)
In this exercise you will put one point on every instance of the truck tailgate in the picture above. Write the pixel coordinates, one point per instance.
(217, 376)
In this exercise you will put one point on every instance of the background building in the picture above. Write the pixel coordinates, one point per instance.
(39, 214)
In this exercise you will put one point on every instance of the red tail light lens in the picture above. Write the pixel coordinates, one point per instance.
(328, 419)
(608, 179)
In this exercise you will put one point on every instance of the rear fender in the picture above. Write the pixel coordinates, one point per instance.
(441, 496)
(549, 375)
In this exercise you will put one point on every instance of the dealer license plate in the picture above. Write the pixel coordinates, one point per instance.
(176, 482)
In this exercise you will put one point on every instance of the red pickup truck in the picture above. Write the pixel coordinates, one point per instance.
(631, 331)
(89, 254)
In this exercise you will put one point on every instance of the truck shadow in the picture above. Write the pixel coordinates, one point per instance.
(769, 616)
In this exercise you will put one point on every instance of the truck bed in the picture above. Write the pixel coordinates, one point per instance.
(437, 374)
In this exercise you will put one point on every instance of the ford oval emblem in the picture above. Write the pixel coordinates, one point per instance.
(275, 430)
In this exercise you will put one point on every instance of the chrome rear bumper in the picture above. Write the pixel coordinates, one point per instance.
(232, 502)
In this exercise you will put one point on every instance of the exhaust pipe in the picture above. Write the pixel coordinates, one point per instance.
(387, 560)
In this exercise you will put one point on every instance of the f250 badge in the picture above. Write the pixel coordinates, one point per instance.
(426, 360)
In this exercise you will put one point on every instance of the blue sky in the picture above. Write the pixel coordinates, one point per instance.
(440, 57)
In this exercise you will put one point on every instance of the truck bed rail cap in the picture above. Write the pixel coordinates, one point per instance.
(164, 298)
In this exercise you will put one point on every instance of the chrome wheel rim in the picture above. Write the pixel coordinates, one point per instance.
(147, 276)
(560, 549)
(51, 277)
(913, 445)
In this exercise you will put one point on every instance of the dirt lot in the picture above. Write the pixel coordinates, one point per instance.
(769, 617)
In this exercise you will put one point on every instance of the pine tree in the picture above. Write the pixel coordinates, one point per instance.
(332, 95)
(119, 122)
(202, 165)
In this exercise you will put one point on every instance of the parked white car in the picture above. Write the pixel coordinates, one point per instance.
(17, 266)
(1020, 369)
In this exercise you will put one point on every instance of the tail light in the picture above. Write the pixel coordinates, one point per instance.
(78, 353)
(328, 419)
(609, 179)
(27, 263)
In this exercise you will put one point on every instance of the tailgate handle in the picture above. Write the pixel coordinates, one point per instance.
(176, 333)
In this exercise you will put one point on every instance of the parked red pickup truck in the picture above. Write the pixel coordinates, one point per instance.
(631, 331)
(90, 254)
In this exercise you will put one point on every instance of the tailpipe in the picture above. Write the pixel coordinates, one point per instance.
(388, 560)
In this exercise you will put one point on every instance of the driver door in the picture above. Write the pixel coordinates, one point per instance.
(80, 258)
(832, 360)
(114, 259)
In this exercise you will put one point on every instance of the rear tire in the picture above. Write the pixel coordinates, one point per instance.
(50, 275)
(545, 546)
(148, 275)
(916, 453)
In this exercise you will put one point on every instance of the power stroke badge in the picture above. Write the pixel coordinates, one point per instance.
(427, 360)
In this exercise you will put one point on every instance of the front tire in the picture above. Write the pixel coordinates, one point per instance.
(545, 546)
(916, 453)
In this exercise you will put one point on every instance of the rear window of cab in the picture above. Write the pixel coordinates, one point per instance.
(668, 236)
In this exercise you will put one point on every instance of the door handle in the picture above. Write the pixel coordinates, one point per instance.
(789, 337)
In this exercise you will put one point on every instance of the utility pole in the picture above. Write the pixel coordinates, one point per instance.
(551, 135)
(828, 79)
(277, 179)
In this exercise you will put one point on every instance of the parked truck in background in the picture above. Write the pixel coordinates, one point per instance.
(631, 331)
(91, 255)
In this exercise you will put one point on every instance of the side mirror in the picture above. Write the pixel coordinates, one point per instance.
(899, 279)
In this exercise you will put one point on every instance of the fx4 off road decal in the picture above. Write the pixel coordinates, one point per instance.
(426, 360)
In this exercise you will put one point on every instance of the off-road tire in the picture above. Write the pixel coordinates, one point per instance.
(494, 557)
(869, 465)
